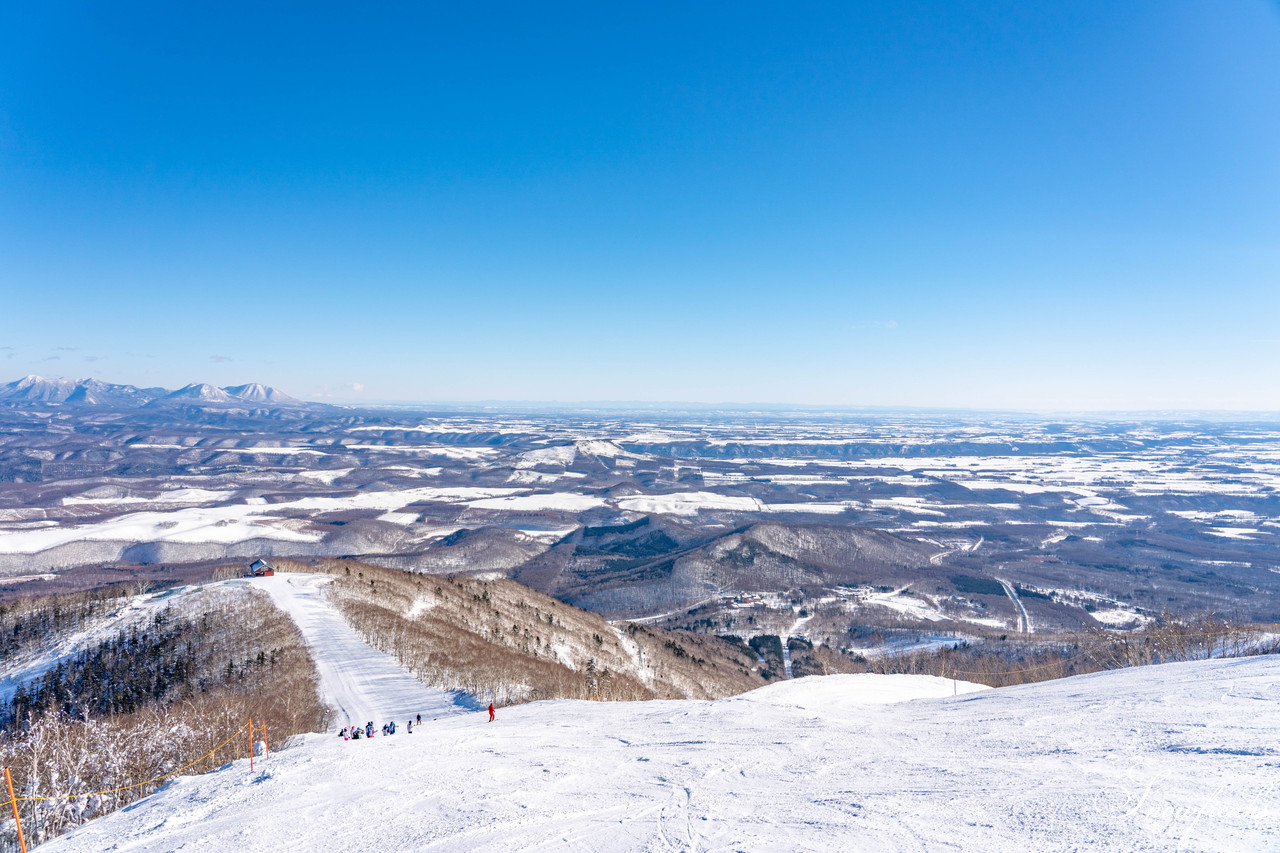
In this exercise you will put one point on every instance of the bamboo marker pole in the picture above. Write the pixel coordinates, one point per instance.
(251, 744)
(266, 743)
(13, 801)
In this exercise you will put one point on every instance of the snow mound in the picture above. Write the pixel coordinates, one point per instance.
(819, 692)
(256, 392)
(199, 392)
(562, 455)
(606, 449)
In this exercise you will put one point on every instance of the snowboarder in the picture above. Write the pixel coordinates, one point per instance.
(419, 719)
(491, 712)
(410, 729)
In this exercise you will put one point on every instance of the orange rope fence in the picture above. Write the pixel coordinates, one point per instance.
(14, 800)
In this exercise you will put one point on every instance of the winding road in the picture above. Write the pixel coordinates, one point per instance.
(1024, 621)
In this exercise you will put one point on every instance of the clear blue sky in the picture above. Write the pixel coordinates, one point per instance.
(1042, 205)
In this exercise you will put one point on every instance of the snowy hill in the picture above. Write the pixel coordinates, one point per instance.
(197, 392)
(1181, 756)
(256, 392)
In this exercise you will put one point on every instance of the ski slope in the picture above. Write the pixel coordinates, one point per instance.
(358, 681)
(1181, 757)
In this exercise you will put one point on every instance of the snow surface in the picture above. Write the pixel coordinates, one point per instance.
(449, 451)
(358, 681)
(835, 691)
(224, 524)
(561, 455)
(528, 503)
(688, 503)
(174, 496)
(245, 521)
(607, 449)
(1175, 757)
(909, 604)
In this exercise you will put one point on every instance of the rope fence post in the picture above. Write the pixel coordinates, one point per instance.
(251, 744)
(13, 801)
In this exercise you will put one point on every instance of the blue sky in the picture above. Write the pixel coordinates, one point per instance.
(1068, 205)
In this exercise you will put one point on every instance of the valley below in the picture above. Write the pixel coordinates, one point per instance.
(862, 532)
(641, 594)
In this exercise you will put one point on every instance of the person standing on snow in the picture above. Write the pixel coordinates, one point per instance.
(491, 712)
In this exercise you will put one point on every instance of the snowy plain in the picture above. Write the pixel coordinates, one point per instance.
(1176, 757)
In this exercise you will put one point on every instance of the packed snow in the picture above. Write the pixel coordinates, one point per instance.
(1175, 757)
(359, 682)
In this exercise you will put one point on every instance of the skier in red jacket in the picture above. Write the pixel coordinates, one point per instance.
(491, 712)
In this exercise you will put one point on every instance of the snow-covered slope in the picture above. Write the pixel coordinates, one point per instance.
(82, 392)
(1175, 757)
(37, 389)
(94, 392)
(197, 392)
(256, 392)
(360, 682)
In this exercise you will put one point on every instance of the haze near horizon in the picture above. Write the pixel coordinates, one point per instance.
(972, 205)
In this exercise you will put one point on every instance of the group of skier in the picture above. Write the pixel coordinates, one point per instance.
(366, 731)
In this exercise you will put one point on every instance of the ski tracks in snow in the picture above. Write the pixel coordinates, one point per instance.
(358, 681)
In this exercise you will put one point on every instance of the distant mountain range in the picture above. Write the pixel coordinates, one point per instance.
(96, 393)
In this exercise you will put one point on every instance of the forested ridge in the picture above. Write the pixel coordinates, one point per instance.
(151, 698)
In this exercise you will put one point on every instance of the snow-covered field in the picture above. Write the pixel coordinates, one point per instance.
(689, 503)
(1176, 757)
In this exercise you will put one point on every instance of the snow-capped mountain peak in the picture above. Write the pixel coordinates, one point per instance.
(256, 392)
(37, 389)
(200, 392)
